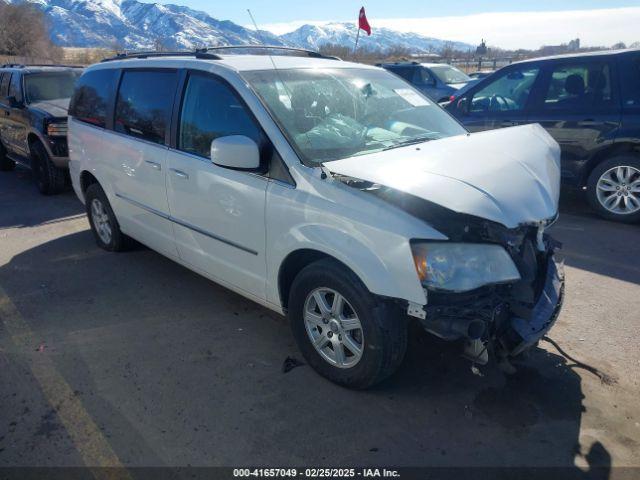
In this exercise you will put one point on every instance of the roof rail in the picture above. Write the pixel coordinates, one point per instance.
(198, 54)
(308, 53)
(27, 65)
(204, 53)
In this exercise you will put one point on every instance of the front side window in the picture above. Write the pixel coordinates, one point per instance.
(333, 113)
(508, 93)
(43, 87)
(90, 99)
(578, 86)
(210, 110)
(449, 75)
(630, 73)
(143, 106)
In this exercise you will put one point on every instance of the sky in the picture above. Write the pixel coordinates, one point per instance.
(507, 24)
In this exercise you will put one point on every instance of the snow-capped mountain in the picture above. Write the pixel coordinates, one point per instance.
(136, 25)
(344, 34)
(132, 24)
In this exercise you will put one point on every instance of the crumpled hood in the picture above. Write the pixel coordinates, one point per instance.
(55, 108)
(510, 176)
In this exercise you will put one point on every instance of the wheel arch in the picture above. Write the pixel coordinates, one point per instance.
(86, 179)
(617, 149)
(294, 263)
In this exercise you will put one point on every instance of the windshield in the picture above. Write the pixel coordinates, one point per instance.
(42, 87)
(449, 74)
(329, 114)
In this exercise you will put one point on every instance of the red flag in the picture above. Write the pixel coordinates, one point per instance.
(363, 23)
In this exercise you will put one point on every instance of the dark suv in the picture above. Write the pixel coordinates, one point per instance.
(438, 81)
(590, 103)
(33, 121)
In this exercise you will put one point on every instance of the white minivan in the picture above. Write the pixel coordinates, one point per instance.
(332, 192)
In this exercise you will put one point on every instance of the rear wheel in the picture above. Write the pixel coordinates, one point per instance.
(49, 178)
(6, 164)
(613, 189)
(104, 224)
(344, 332)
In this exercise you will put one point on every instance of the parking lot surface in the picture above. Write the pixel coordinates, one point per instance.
(130, 359)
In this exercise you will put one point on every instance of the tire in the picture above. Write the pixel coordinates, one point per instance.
(6, 164)
(624, 193)
(99, 211)
(382, 337)
(49, 178)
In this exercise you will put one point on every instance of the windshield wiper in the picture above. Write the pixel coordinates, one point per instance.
(411, 141)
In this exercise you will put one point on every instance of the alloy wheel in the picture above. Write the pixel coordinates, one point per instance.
(101, 221)
(333, 327)
(618, 190)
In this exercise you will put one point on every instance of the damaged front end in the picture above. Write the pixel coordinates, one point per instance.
(503, 318)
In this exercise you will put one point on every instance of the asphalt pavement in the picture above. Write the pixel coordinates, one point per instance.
(130, 359)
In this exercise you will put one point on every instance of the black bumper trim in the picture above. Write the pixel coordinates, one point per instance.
(545, 312)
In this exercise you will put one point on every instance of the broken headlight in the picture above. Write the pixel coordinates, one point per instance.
(460, 267)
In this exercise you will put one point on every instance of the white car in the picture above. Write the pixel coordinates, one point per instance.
(329, 191)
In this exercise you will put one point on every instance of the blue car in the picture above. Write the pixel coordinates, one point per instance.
(438, 81)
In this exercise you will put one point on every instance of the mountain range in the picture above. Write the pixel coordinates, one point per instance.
(132, 24)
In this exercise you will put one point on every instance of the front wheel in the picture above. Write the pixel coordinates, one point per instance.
(344, 332)
(613, 189)
(6, 164)
(49, 178)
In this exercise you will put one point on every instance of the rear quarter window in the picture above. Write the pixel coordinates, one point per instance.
(90, 99)
(630, 79)
(4, 85)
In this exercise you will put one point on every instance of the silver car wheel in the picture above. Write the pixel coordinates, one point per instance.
(618, 190)
(101, 220)
(333, 327)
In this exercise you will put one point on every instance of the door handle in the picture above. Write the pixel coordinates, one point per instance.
(179, 173)
(589, 122)
(508, 123)
(154, 165)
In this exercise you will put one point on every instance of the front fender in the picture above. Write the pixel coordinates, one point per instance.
(367, 234)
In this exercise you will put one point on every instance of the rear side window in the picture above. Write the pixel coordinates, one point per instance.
(630, 76)
(4, 85)
(143, 107)
(91, 97)
(407, 73)
(210, 110)
(579, 86)
(14, 87)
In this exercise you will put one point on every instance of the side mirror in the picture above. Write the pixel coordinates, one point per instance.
(235, 151)
(13, 102)
(463, 105)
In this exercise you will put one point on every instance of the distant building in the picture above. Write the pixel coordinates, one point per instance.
(572, 46)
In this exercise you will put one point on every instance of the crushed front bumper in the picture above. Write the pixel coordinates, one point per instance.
(499, 320)
(522, 333)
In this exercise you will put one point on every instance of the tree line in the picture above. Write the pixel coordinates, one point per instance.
(24, 32)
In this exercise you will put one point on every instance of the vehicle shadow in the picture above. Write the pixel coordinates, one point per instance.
(176, 370)
(19, 195)
(596, 245)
